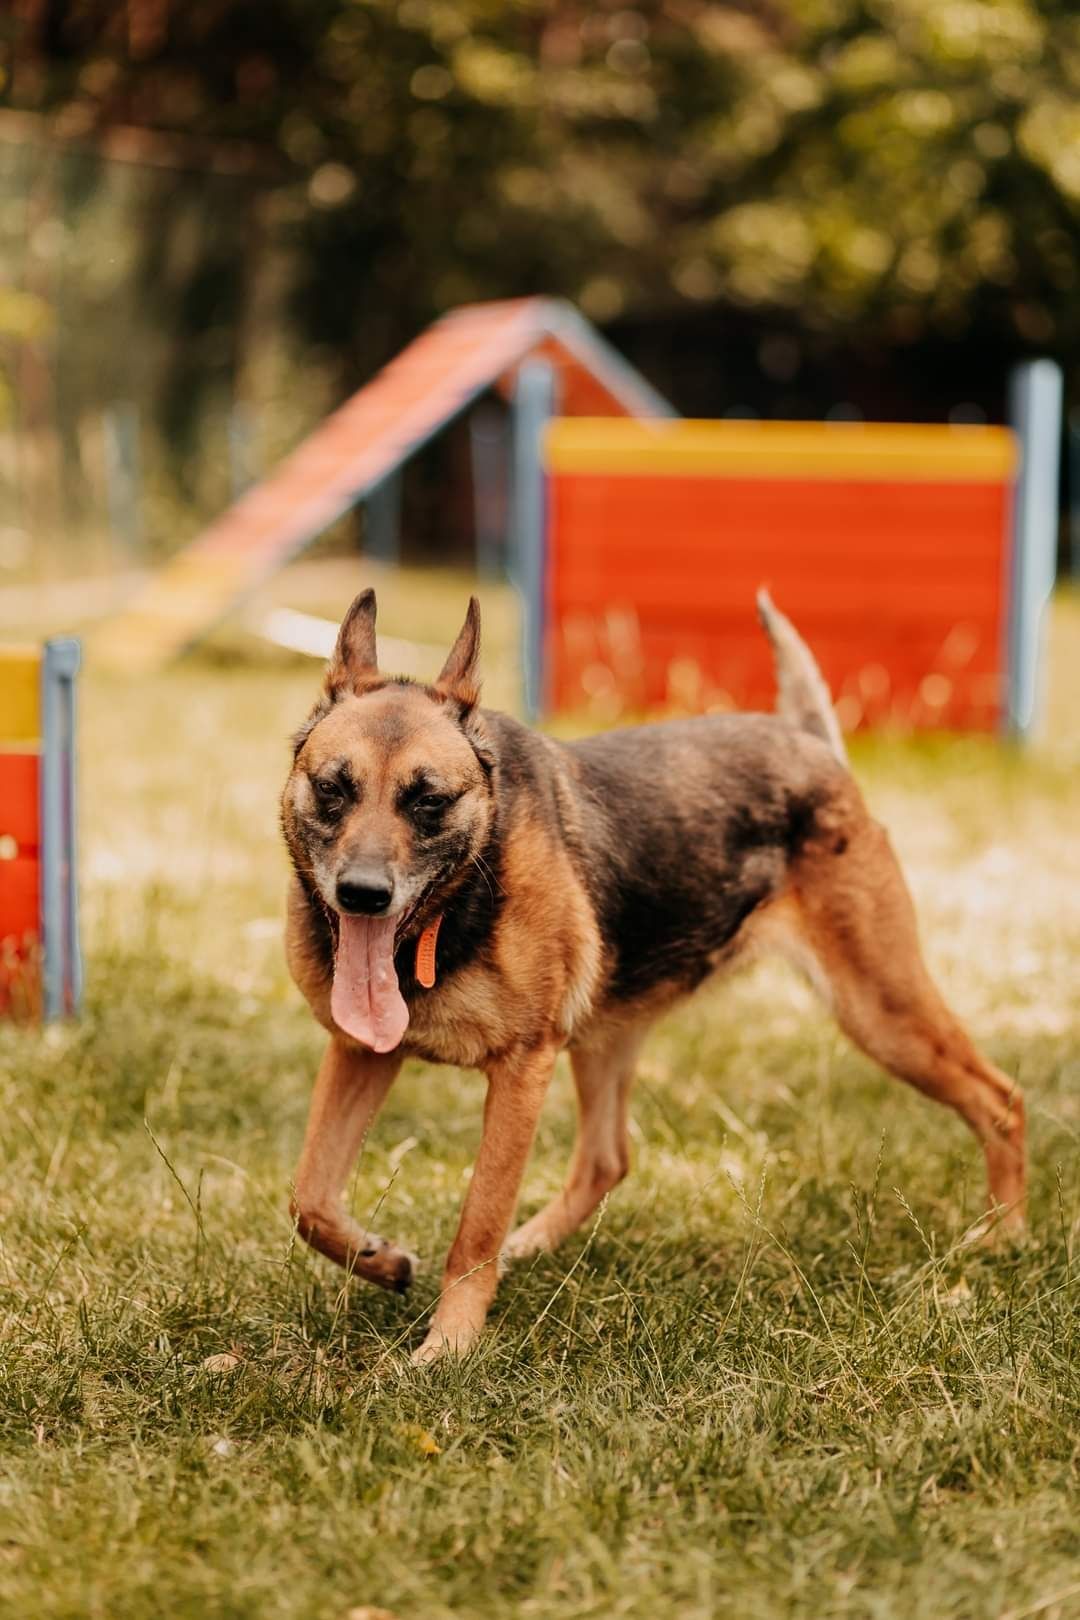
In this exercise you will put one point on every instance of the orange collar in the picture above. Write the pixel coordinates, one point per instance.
(425, 954)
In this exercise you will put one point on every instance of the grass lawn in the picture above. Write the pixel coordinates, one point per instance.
(768, 1381)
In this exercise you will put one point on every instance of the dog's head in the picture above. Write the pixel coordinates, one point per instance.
(388, 803)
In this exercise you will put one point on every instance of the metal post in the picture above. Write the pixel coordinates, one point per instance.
(241, 435)
(1035, 397)
(382, 520)
(489, 455)
(1073, 440)
(62, 961)
(534, 406)
(121, 422)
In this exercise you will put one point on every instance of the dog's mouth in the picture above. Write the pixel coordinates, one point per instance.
(365, 999)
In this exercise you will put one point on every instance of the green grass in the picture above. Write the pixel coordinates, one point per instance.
(767, 1382)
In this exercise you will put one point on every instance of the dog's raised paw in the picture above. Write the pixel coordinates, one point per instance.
(384, 1263)
(405, 1269)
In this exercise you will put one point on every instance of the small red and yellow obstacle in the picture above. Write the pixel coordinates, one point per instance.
(888, 544)
(40, 968)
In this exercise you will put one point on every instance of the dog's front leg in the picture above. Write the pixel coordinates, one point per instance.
(349, 1092)
(516, 1091)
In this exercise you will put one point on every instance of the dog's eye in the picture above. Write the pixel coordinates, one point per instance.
(328, 796)
(429, 803)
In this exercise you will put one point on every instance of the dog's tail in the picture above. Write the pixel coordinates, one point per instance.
(802, 695)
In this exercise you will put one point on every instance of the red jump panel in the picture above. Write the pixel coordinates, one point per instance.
(898, 585)
(20, 882)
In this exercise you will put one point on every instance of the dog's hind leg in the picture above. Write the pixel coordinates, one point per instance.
(603, 1076)
(349, 1092)
(853, 910)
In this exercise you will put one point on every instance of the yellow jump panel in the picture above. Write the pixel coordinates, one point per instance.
(885, 452)
(20, 696)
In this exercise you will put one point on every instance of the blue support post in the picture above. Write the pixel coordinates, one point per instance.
(534, 406)
(122, 481)
(62, 963)
(241, 437)
(382, 520)
(1073, 440)
(1035, 401)
(489, 453)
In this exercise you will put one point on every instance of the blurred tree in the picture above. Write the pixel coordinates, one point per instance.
(913, 164)
(900, 167)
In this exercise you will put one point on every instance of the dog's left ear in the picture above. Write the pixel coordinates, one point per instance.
(459, 680)
(354, 660)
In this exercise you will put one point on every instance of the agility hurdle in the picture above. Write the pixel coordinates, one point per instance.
(916, 559)
(40, 963)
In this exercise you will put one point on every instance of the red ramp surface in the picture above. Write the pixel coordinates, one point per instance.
(362, 443)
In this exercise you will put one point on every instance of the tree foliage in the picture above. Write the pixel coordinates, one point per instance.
(907, 166)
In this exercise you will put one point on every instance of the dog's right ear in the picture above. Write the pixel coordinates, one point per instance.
(458, 679)
(354, 661)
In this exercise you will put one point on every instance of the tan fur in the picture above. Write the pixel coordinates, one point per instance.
(517, 1086)
(802, 695)
(307, 972)
(543, 979)
(349, 1091)
(603, 1076)
(857, 919)
(543, 983)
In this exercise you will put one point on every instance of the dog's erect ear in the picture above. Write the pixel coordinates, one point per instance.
(459, 679)
(354, 659)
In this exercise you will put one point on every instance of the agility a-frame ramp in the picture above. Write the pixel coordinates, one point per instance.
(359, 447)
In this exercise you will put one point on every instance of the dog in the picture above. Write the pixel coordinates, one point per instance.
(468, 891)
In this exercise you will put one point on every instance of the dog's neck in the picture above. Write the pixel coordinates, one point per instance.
(467, 914)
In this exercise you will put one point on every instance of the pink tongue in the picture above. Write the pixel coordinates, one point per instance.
(365, 1000)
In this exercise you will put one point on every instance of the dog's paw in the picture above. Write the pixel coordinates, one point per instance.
(531, 1239)
(441, 1343)
(383, 1262)
(406, 1267)
(433, 1349)
(997, 1229)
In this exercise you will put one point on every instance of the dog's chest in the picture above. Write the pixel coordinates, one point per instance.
(464, 1020)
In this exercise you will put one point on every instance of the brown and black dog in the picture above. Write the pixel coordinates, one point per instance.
(470, 892)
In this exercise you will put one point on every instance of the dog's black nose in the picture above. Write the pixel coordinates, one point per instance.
(368, 899)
